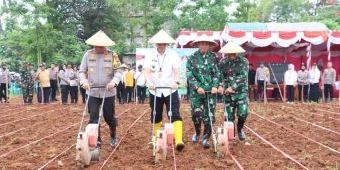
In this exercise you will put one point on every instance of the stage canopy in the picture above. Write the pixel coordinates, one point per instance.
(283, 38)
(185, 38)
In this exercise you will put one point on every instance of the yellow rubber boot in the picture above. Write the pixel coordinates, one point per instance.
(178, 133)
(156, 126)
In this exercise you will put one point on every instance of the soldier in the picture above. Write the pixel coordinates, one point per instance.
(27, 83)
(234, 76)
(5, 79)
(96, 69)
(162, 68)
(203, 75)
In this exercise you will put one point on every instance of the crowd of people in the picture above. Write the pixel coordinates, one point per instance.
(47, 81)
(312, 85)
(101, 76)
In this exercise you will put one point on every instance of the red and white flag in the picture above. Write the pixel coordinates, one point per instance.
(309, 55)
(329, 50)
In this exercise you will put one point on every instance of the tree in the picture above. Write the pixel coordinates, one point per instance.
(202, 15)
(328, 15)
(283, 10)
(245, 12)
(50, 32)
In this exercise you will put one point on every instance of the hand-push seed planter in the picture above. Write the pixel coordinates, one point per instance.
(86, 146)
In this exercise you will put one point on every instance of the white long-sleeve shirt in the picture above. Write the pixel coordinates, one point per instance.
(314, 75)
(290, 77)
(140, 79)
(162, 70)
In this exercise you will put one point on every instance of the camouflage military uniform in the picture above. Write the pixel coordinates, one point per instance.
(203, 73)
(234, 74)
(27, 84)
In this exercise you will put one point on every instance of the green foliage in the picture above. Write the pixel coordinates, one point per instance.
(55, 31)
(246, 11)
(204, 15)
(328, 15)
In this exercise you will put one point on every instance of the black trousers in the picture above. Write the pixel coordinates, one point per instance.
(141, 93)
(290, 93)
(83, 95)
(54, 87)
(74, 94)
(65, 90)
(328, 88)
(43, 94)
(160, 101)
(314, 92)
(3, 94)
(108, 111)
(305, 91)
(276, 93)
(121, 94)
(129, 92)
(260, 88)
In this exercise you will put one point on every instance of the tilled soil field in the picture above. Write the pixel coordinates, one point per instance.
(281, 136)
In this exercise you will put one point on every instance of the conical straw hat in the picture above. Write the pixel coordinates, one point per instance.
(161, 38)
(124, 66)
(232, 47)
(100, 39)
(204, 38)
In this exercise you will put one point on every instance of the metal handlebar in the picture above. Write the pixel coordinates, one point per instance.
(97, 87)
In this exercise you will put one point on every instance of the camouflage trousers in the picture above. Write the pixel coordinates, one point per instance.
(27, 93)
(240, 106)
(200, 108)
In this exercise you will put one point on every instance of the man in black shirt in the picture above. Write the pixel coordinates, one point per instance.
(251, 80)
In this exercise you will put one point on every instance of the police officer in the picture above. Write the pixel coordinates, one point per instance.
(162, 68)
(203, 75)
(96, 69)
(5, 79)
(27, 83)
(234, 76)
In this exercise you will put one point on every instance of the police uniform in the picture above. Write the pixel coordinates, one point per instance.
(96, 69)
(5, 79)
(203, 73)
(302, 80)
(234, 75)
(328, 79)
(27, 83)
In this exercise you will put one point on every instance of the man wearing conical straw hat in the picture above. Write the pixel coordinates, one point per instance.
(203, 75)
(234, 77)
(162, 69)
(97, 64)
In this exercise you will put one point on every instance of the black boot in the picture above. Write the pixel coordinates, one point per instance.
(197, 133)
(114, 140)
(240, 124)
(206, 136)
